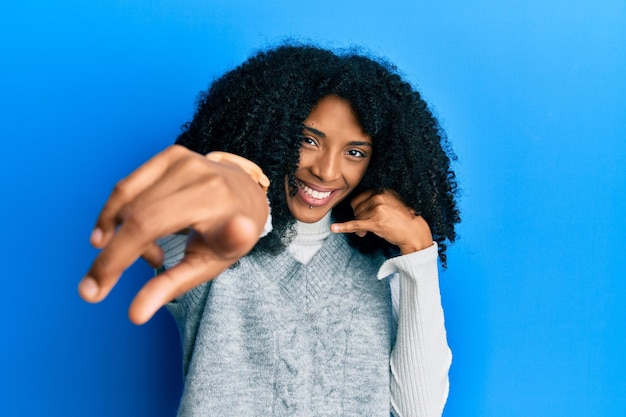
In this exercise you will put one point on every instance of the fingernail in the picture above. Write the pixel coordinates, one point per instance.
(88, 288)
(96, 236)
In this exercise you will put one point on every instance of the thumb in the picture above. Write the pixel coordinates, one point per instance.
(353, 226)
(233, 239)
(205, 258)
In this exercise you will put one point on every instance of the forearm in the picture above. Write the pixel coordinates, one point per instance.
(420, 358)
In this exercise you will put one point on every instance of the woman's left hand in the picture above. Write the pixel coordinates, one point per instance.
(386, 215)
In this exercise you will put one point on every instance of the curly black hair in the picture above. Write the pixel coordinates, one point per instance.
(257, 111)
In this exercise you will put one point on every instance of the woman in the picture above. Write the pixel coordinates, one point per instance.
(335, 310)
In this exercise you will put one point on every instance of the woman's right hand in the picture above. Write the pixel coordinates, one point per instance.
(224, 208)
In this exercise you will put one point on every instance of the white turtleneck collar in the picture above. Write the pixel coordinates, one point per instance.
(309, 238)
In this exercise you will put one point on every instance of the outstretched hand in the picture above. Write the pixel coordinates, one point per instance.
(222, 206)
(386, 215)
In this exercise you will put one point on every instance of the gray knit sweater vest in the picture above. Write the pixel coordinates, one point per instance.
(271, 336)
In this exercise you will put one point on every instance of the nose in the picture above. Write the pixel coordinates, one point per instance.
(327, 166)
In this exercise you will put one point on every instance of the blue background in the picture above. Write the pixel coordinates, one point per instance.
(532, 94)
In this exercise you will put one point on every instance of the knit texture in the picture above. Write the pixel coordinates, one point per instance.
(272, 336)
(420, 358)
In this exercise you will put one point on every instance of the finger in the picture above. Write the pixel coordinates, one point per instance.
(153, 255)
(181, 173)
(248, 166)
(127, 189)
(201, 264)
(233, 239)
(358, 227)
(137, 234)
(361, 198)
(170, 284)
(363, 209)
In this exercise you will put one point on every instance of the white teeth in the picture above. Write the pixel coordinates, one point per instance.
(313, 193)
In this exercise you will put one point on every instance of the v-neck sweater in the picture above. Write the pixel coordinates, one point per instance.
(272, 336)
(420, 358)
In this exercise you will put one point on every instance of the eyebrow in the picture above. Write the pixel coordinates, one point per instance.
(315, 131)
(323, 135)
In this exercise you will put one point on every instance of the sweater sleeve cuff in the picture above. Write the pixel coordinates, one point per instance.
(412, 263)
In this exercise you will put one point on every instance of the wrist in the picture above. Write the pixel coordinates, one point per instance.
(421, 237)
(255, 172)
(414, 247)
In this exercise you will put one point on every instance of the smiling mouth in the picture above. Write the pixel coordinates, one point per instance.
(317, 195)
(314, 197)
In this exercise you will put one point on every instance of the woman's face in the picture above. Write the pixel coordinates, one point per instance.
(334, 156)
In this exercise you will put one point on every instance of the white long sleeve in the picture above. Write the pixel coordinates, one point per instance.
(420, 359)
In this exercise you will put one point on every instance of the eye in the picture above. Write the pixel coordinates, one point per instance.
(307, 140)
(356, 153)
